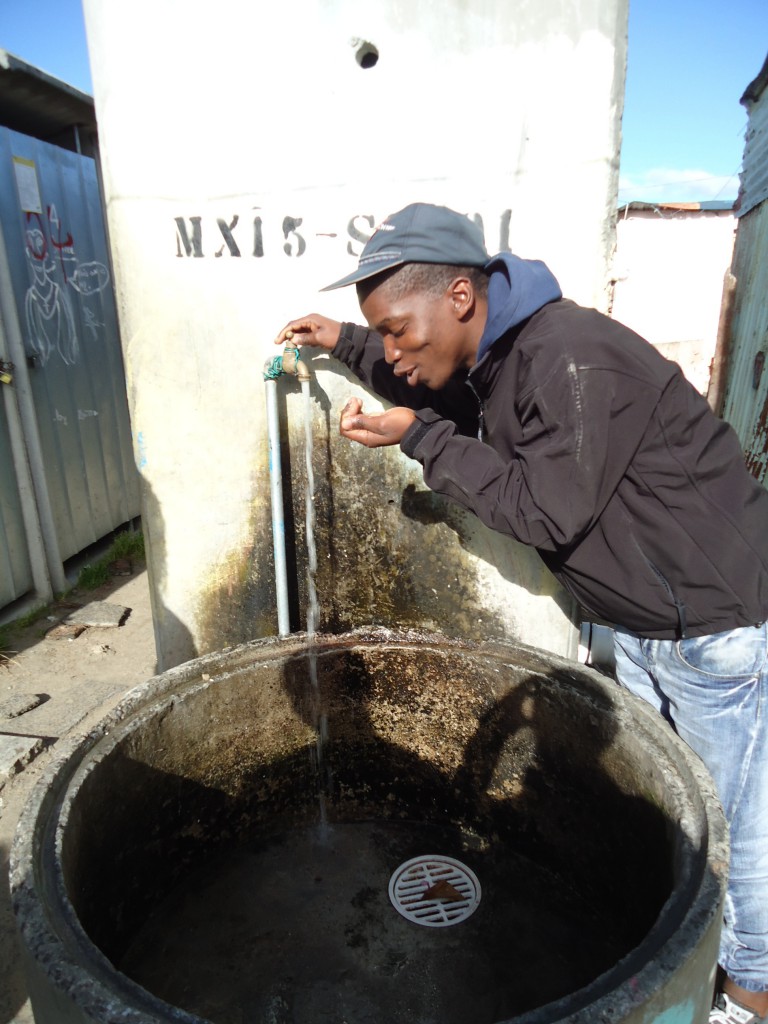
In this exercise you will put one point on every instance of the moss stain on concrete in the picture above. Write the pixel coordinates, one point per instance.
(390, 552)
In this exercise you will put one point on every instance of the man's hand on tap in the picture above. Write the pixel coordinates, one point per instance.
(314, 330)
(373, 431)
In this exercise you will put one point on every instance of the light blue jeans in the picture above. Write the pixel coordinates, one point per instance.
(713, 690)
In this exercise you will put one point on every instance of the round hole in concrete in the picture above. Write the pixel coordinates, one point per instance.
(366, 54)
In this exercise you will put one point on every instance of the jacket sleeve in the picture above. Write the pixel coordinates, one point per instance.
(362, 351)
(579, 434)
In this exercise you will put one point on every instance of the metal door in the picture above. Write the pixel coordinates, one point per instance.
(58, 267)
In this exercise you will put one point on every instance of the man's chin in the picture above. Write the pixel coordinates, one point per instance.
(420, 379)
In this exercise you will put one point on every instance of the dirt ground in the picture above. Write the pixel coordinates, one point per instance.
(76, 679)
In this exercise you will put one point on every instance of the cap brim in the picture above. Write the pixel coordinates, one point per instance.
(363, 273)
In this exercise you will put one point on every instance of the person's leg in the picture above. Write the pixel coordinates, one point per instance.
(633, 670)
(714, 691)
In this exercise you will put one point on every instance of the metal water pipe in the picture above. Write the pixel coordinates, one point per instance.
(291, 364)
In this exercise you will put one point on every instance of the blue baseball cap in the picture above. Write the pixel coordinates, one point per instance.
(419, 233)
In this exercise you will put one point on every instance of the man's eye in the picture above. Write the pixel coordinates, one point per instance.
(400, 333)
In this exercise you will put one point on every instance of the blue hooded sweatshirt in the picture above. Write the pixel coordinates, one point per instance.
(517, 288)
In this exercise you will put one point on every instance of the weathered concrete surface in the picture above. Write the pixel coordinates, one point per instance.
(80, 678)
(215, 256)
(680, 258)
(522, 755)
(19, 703)
(16, 752)
(99, 613)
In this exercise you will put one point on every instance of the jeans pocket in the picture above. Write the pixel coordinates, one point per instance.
(735, 654)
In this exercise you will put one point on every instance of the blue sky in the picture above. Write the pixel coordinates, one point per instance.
(689, 63)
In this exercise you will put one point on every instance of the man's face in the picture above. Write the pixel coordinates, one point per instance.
(425, 340)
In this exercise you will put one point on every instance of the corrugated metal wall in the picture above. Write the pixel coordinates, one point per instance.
(746, 395)
(62, 306)
(746, 399)
(754, 176)
(15, 567)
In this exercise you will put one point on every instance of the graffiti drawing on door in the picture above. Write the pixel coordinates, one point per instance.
(58, 281)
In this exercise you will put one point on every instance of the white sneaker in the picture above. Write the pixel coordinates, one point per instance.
(726, 1011)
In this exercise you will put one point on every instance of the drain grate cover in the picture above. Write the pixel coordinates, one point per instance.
(454, 891)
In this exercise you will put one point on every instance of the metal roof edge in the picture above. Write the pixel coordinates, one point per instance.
(706, 206)
(36, 104)
(754, 90)
(10, 62)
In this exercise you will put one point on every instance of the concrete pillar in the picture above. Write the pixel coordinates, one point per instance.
(248, 150)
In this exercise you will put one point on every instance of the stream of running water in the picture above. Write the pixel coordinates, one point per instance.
(319, 718)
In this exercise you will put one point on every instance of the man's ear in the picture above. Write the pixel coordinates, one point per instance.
(461, 293)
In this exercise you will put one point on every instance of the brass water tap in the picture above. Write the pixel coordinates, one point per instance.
(294, 365)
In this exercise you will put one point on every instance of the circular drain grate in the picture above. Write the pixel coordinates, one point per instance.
(434, 891)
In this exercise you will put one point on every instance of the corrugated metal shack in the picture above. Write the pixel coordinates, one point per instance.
(740, 381)
(67, 475)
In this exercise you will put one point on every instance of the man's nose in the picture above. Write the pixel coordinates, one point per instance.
(391, 352)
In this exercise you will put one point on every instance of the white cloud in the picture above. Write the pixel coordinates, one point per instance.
(667, 185)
